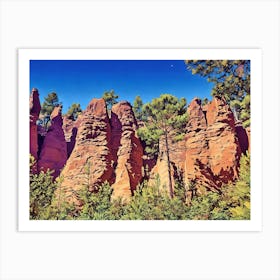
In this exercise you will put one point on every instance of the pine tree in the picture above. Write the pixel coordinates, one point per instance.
(74, 111)
(110, 98)
(48, 105)
(42, 187)
(138, 107)
(166, 119)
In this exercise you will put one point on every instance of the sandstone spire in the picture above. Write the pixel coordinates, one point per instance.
(53, 154)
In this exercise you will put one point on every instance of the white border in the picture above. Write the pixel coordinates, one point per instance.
(25, 55)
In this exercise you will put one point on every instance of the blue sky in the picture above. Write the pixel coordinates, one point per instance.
(78, 81)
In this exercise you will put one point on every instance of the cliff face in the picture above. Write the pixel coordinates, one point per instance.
(34, 111)
(94, 149)
(127, 150)
(91, 161)
(212, 147)
(53, 153)
(70, 128)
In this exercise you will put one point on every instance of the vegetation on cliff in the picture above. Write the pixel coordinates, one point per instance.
(149, 202)
(231, 80)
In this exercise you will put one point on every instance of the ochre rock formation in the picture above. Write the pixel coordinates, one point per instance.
(127, 150)
(70, 128)
(212, 147)
(94, 149)
(53, 154)
(91, 162)
(34, 111)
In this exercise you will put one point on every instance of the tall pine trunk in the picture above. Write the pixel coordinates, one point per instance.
(168, 165)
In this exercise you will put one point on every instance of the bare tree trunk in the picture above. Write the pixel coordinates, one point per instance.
(168, 166)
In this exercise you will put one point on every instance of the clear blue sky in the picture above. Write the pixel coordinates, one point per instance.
(78, 81)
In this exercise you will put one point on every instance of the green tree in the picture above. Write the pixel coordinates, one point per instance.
(138, 107)
(42, 187)
(110, 98)
(95, 200)
(166, 120)
(231, 80)
(237, 195)
(97, 204)
(201, 206)
(74, 111)
(51, 101)
(149, 203)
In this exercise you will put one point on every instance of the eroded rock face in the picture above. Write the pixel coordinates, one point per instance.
(91, 162)
(70, 128)
(53, 154)
(34, 109)
(127, 151)
(212, 147)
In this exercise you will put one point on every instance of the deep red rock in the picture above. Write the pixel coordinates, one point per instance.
(70, 128)
(53, 154)
(34, 110)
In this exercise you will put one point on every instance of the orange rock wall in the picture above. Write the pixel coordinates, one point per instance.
(90, 163)
(127, 149)
(212, 146)
(53, 154)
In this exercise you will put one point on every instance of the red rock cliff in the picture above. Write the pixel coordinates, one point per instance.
(53, 154)
(91, 161)
(212, 147)
(70, 128)
(34, 111)
(127, 150)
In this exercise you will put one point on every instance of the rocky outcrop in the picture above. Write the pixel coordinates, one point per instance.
(53, 153)
(34, 111)
(212, 147)
(91, 162)
(94, 149)
(70, 128)
(127, 151)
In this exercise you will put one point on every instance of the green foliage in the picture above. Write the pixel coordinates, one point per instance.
(231, 80)
(138, 108)
(43, 204)
(238, 195)
(151, 203)
(166, 118)
(204, 101)
(42, 187)
(232, 204)
(97, 204)
(51, 101)
(150, 136)
(61, 208)
(110, 98)
(202, 206)
(74, 111)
